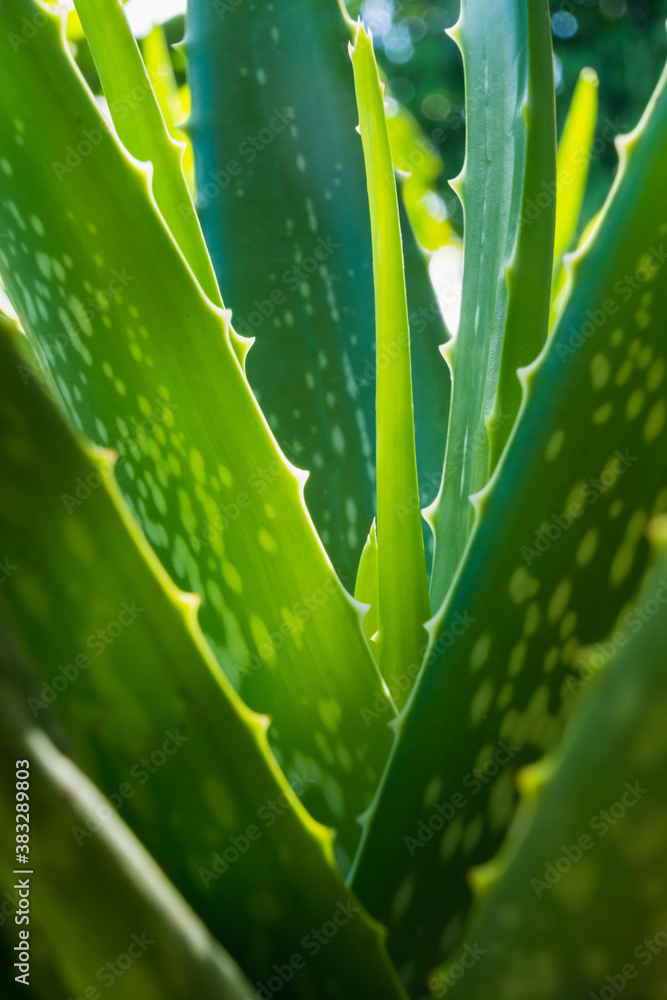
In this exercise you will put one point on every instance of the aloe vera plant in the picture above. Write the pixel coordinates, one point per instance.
(274, 720)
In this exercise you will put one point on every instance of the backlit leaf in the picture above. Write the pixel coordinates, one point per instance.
(283, 203)
(145, 366)
(121, 662)
(574, 157)
(576, 898)
(140, 124)
(557, 552)
(402, 600)
(145, 919)
(510, 155)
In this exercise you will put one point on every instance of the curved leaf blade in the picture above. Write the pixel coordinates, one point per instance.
(574, 157)
(280, 177)
(510, 154)
(121, 661)
(142, 129)
(145, 366)
(402, 603)
(366, 586)
(142, 909)
(581, 880)
(560, 537)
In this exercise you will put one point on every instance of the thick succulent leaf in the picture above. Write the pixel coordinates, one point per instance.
(144, 364)
(556, 553)
(139, 122)
(282, 199)
(155, 53)
(160, 71)
(510, 155)
(430, 374)
(431, 383)
(31, 365)
(575, 903)
(174, 955)
(366, 586)
(574, 157)
(417, 163)
(402, 603)
(120, 659)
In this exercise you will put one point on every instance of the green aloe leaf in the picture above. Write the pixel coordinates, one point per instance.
(120, 660)
(145, 919)
(366, 586)
(510, 157)
(142, 129)
(402, 601)
(575, 900)
(574, 157)
(430, 374)
(145, 366)
(170, 97)
(560, 538)
(280, 179)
